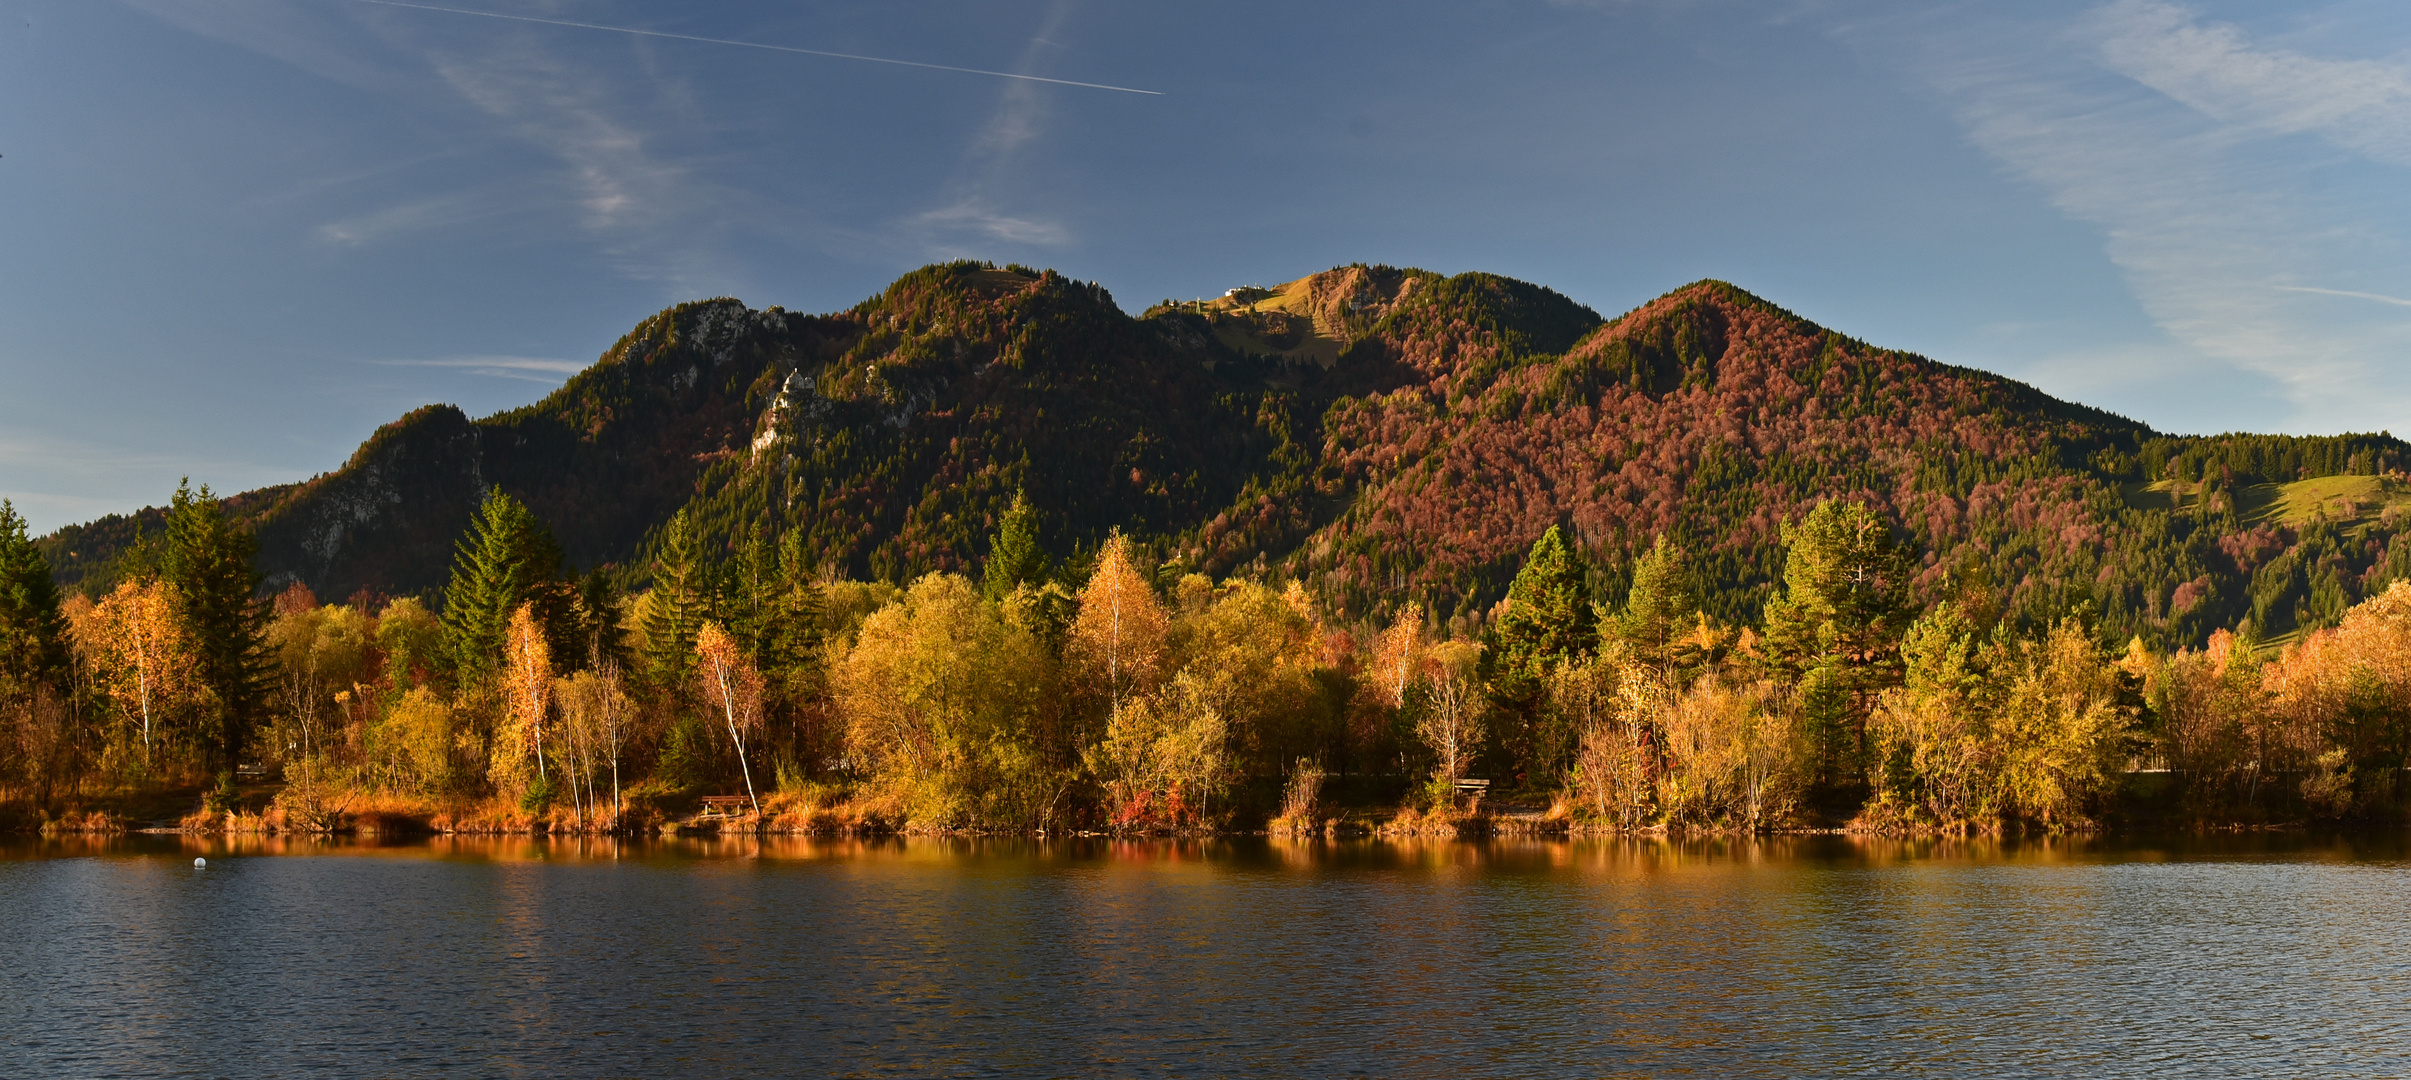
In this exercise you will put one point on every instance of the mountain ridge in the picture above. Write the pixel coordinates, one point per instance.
(1380, 433)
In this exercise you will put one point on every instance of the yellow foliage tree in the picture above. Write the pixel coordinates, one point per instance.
(1398, 655)
(142, 657)
(414, 741)
(945, 706)
(1451, 722)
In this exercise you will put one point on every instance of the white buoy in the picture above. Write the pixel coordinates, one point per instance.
(200, 864)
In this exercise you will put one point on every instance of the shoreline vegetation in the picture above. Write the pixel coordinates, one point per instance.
(755, 690)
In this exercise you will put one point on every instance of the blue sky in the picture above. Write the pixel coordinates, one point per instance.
(235, 235)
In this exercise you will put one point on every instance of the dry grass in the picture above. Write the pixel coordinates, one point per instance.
(84, 822)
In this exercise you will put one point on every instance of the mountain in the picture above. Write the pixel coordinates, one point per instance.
(1380, 433)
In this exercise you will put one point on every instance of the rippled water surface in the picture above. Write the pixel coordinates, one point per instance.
(1248, 957)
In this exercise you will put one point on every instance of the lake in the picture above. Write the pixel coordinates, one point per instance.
(2281, 956)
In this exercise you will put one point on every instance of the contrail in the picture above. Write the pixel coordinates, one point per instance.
(759, 45)
(2379, 297)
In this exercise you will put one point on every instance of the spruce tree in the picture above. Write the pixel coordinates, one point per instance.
(1845, 599)
(507, 558)
(678, 604)
(209, 561)
(1664, 597)
(601, 610)
(1014, 557)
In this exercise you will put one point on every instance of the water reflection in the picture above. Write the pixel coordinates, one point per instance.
(1237, 956)
(1647, 853)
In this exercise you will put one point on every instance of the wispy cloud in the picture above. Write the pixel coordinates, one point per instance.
(410, 217)
(638, 32)
(2379, 297)
(538, 369)
(973, 217)
(2183, 142)
(2364, 105)
(994, 161)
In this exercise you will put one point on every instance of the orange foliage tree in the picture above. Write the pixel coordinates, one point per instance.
(1117, 640)
(527, 681)
(733, 686)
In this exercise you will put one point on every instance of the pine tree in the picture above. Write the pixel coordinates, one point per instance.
(1014, 557)
(1838, 625)
(209, 562)
(507, 558)
(1845, 598)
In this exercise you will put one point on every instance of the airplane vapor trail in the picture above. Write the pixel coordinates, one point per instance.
(759, 45)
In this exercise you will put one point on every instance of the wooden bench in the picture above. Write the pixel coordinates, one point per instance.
(1470, 786)
(715, 806)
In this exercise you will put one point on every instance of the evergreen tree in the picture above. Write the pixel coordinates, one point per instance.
(602, 638)
(35, 725)
(209, 561)
(33, 647)
(798, 604)
(1014, 557)
(1549, 619)
(1663, 600)
(1845, 598)
(507, 558)
(1838, 623)
(680, 601)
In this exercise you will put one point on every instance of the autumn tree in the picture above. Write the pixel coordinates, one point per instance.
(143, 659)
(319, 652)
(1398, 656)
(414, 741)
(526, 677)
(1450, 721)
(2064, 727)
(412, 644)
(596, 704)
(945, 704)
(1117, 639)
(733, 687)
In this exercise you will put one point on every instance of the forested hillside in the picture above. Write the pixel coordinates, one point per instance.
(1382, 435)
